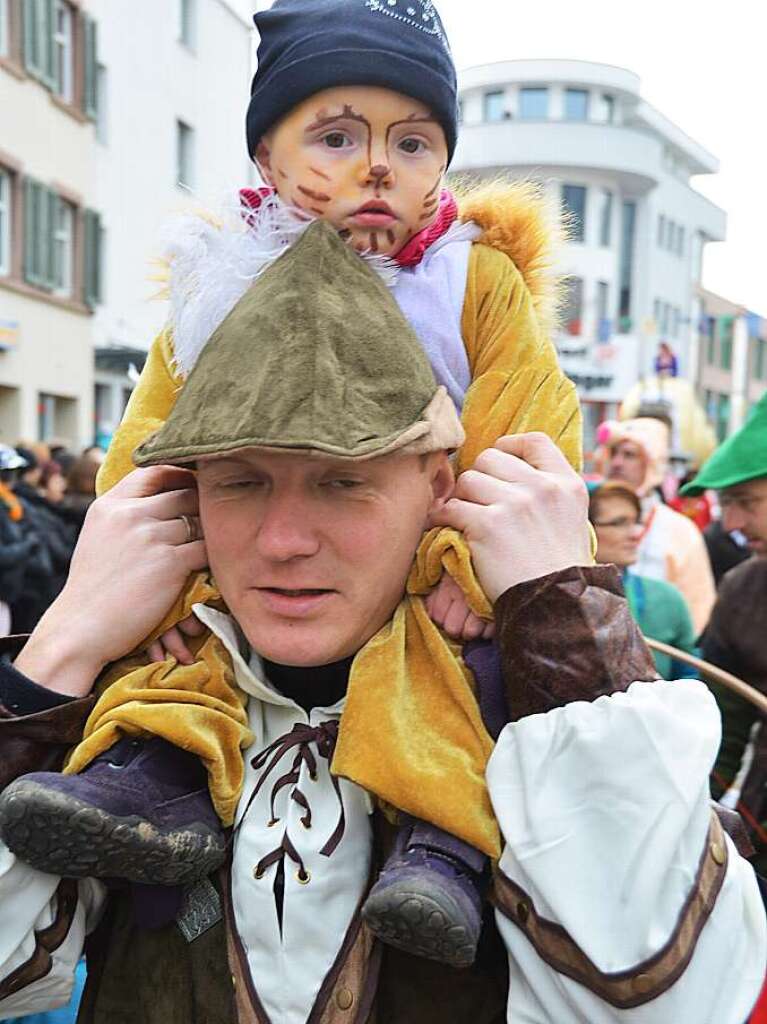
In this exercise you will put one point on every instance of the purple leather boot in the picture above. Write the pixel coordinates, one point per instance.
(140, 812)
(428, 898)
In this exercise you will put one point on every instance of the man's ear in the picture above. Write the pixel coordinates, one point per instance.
(263, 161)
(442, 480)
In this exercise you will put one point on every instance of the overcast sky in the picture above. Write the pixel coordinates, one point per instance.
(703, 64)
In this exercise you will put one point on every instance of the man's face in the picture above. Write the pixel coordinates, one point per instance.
(369, 160)
(311, 553)
(627, 463)
(744, 508)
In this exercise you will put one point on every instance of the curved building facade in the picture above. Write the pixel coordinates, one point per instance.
(623, 172)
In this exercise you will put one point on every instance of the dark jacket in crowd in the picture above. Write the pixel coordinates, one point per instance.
(735, 640)
(56, 533)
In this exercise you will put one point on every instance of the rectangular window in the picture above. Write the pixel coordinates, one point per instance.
(726, 331)
(608, 108)
(6, 186)
(63, 247)
(711, 340)
(63, 51)
(39, 57)
(604, 323)
(494, 106)
(5, 29)
(627, 259)
(760, 362)
(661, 230)
(657, 312)
(680, 240)
(573, 305)
(93, 246)
(723, 418)
(605, 217)
(574, 202)
(670, 235)
(184, 155)
(90, 65)
(534, 104)
(676, 321)
(576, 105)
(187, 23)
(40, 208)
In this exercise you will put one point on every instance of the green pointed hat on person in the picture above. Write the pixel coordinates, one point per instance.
(742, 457)
(315, 357)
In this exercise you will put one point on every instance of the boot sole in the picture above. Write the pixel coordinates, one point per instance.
(64, 836)
(422, 923)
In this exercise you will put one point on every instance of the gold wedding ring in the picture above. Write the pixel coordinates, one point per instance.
(192, 528)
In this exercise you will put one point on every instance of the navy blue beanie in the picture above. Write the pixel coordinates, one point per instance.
(310, 45)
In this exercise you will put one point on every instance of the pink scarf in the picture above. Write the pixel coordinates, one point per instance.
(412, 253)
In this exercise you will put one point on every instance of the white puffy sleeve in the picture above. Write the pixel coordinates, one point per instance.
(618, 894)
(43, 924)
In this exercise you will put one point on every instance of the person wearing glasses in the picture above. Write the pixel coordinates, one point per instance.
(657, 606)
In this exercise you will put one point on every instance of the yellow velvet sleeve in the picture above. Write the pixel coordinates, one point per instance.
(150, 404)
(517, 385)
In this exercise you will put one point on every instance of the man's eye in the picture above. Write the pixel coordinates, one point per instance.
(337, 140)
(342, 484)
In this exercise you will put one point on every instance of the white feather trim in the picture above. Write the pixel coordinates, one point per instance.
(213, 265)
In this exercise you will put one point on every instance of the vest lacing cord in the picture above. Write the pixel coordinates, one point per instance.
(301, 736)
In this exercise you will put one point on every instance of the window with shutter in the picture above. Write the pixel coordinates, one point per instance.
(93, 248)
(90, 68)
(40, 209)
(39, 44)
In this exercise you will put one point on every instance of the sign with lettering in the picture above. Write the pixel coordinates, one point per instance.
(9, 334)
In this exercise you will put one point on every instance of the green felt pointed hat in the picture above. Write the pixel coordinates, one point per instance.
(316, 356)
(742, 457)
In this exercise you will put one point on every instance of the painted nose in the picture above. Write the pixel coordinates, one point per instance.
(380, 174)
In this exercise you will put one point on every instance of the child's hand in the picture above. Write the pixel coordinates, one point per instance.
(172, 642)
(447, 608)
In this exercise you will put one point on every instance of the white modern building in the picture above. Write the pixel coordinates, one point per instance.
(623, 172)
(173, 83)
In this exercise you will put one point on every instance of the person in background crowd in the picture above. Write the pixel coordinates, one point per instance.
(657, 606)
(666, 363)
(725, 550)
(697, 508)
(671, 547)
(46, 519)
(81, 481)
(20, 551)
(735, 637)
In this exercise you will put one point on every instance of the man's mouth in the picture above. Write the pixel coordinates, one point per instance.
(294, 602)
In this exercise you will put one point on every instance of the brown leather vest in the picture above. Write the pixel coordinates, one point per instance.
(138, 976)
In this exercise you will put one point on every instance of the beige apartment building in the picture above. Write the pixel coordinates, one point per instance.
(50, 238)
(732, 361)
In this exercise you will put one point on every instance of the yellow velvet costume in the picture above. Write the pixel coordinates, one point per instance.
(411, 721)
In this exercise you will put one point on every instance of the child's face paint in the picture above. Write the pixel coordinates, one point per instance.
(369, 160)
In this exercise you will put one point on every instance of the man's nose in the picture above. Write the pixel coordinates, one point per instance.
(286, 531)
(732, 518)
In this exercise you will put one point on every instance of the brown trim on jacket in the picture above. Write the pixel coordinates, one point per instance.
(649, 979)
(47, 941)
(568, 636)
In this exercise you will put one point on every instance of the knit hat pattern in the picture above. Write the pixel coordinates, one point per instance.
(307, 46)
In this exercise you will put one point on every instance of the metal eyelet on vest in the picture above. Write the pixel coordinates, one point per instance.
(257, 874)
(273, 822)
(523, 911)
(303, 878)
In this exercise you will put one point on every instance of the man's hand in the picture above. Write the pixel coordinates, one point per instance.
(131, 562)
(523, 511)
(448, 608)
